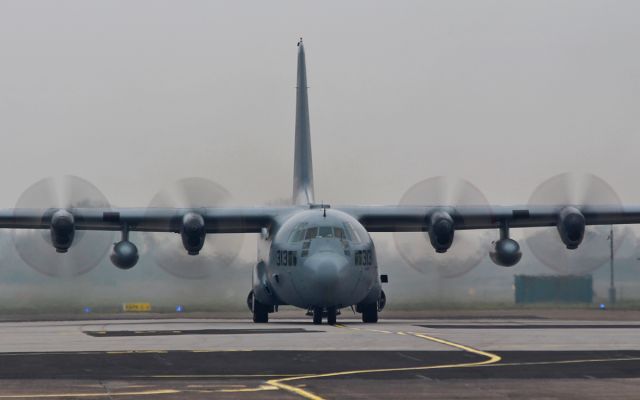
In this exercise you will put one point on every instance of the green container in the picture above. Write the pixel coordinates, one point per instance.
(554, 289)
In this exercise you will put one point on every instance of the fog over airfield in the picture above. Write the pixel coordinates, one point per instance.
(134, 95)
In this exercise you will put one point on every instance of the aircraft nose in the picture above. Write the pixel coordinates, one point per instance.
(327, 271)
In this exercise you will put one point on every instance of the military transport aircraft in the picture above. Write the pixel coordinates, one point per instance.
(310, 255)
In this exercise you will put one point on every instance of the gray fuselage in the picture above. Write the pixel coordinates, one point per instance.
(316, 258)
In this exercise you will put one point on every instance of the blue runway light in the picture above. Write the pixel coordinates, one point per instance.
(87, 310)
(179, 309)
(602, 306)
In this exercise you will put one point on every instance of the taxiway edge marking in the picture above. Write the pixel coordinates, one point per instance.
(82, 395)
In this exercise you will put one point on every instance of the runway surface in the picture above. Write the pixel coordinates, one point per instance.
(214, 358)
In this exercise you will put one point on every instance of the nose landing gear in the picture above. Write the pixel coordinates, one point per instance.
(331, 315)
(330, 312)
(317, 316)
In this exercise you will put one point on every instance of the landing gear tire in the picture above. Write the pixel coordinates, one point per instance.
(317, 316)
(331, 315)
(369, 313)
(260, 312)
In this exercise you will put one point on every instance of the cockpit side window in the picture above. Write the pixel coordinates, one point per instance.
(298, 233)
(339, 232)
(296, 236)
(351, 233)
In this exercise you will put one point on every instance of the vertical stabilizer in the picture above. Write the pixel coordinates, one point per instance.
(302, 167)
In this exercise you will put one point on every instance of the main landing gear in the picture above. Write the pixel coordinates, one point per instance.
(369, 312)
(259, 310)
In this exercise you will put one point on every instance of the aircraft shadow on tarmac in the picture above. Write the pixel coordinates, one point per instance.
(124, 333)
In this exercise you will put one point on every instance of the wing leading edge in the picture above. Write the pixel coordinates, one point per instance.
(417, 219)
(373, 218)
(216, 220)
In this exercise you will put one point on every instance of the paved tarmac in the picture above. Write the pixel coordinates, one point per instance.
(292, 358)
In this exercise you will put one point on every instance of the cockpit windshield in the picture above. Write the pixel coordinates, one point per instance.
(325, 232)
(339, 232)
(344, 232)
(311, 233)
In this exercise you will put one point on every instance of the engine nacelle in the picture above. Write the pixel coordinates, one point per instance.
(193, 233)
(441, 231)
(124, 254)
(506, 253)
(571, 226)
(63, 230)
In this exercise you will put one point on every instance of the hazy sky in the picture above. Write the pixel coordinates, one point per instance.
(133, 95)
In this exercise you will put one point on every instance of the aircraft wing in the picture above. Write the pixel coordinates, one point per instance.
(373, 218)
(418, 218)
(215, 220)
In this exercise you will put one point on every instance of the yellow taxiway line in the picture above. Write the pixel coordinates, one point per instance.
(258, 389)
(490, 359)
(593, 360)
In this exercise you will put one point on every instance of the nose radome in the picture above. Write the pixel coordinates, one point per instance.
(327, 272)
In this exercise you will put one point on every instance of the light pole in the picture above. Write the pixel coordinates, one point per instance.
(612, 288)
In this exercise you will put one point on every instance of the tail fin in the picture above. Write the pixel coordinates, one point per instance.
(303, 166)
